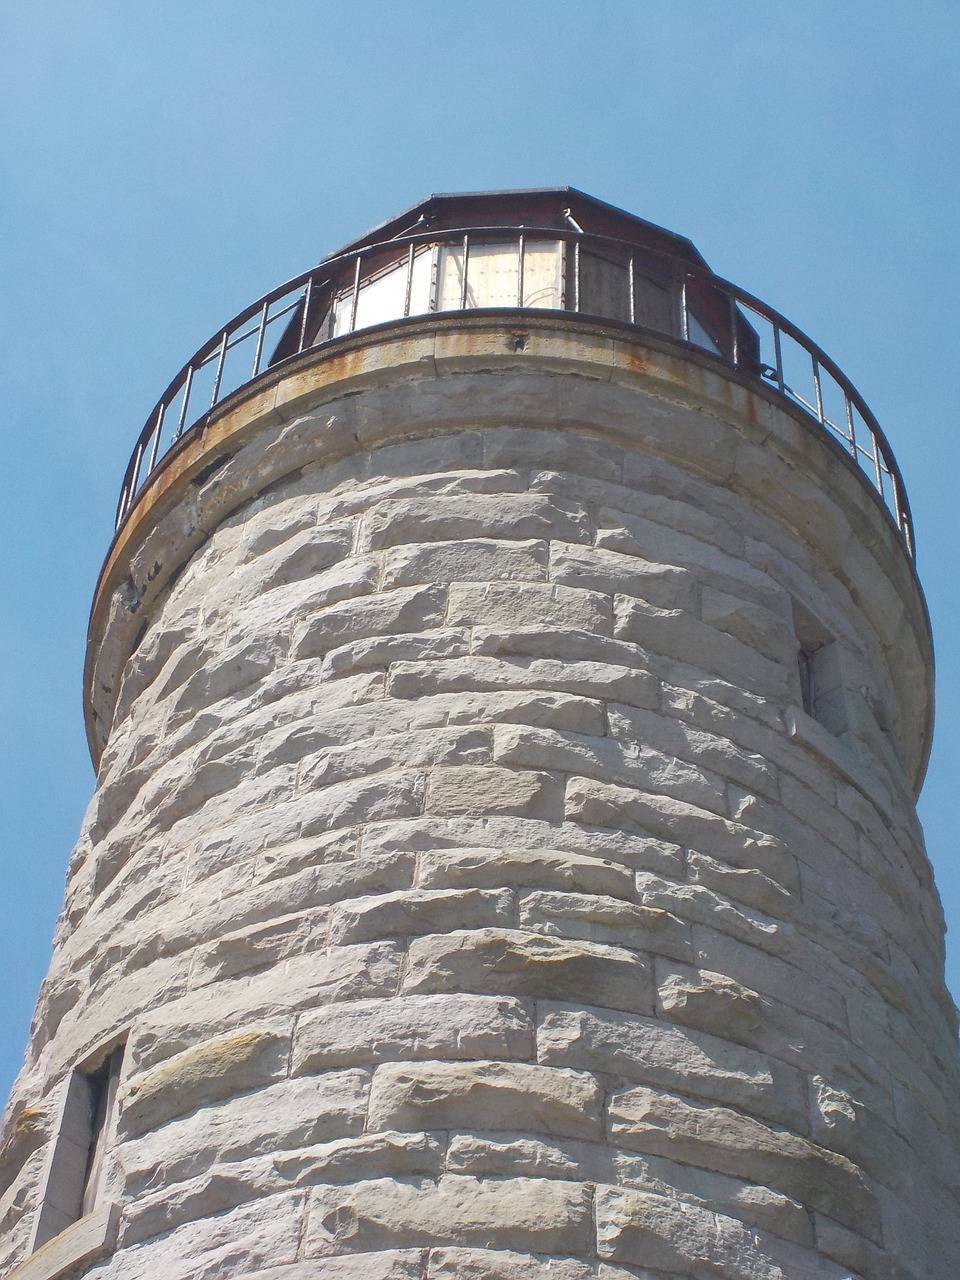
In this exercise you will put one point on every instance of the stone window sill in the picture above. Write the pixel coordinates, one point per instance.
(87, 1240)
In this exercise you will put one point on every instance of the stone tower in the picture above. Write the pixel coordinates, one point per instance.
(509, 686)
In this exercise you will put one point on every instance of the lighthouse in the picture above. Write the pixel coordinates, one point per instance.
(509, 687)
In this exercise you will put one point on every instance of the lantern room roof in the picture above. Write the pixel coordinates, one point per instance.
(560, 207)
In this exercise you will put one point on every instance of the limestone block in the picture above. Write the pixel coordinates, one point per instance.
(552, 710)
(504, 1264)
(770, 976)
(504, 515)
(599, 918)
(685, 1240)
(373, 1155)
(453, 790)
(707, 1001)
(518, 446)
(353, 580)
(495, 1154)
(210, 1194)
(528, 604)
(656, 1053)
(742, 884)
(708, 750)
(628, 848)
(416, 911)
(299, 555)
(385, 1264)
(520, 964)
(770, 633)
(212, 1070)
(726, 1141)
(416, 750)
(328, 870)
(665, 585)
(604, 805)
(485, 1095)
(481, 673)
(565, 643)
(232, 672)
(474, 560)
(412, 1027)
(525, 868)
(695, 904)
(282, 1117)
(260, 1233)
(383, 651)
(541, 1215)
(385, 795)
(633, 763)
(405, 609)
(261, 944)
(345, 973)
(679, 635)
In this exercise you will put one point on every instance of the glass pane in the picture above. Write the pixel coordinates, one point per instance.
(604, 287)
(493, 276)
(653, 305)
(542, 264)
(700, 336)
(382, 297)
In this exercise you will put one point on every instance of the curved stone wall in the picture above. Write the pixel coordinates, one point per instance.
(471, 891)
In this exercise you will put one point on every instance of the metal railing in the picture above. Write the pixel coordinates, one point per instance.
(596, 277)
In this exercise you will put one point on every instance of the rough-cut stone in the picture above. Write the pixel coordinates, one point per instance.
(527, 1213)
(213, 1070)
(437, 1026)
(524, 964)
(485, 1095)
(646, 1049)
(471, 895)
(728, 1142)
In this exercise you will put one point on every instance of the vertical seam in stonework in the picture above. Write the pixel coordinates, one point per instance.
(304, 1227)
(294, 1031)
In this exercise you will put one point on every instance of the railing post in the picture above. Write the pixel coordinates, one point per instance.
(408, 292)
(633, 289)
(307, 295)
(463, 282)
(219, 373)
(182, 418)
(356, 294)
(520, 244)
(161, 410)
(261, 330)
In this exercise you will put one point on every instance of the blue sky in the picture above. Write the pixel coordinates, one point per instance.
(162, 166)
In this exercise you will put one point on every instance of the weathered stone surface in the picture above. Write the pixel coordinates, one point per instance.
(458, 847)
(599, 918)
(283, 1116)
(478, 560)
(466, 790)
(525, 868)
(523, 964)
(437, 1026)
(707, 1001)
(213, 1070)
(417, 911)
(539, 1215)
(728, 1142)
(646, 1049)
(685, 1240)
(485, 1095)
(385, 1154)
